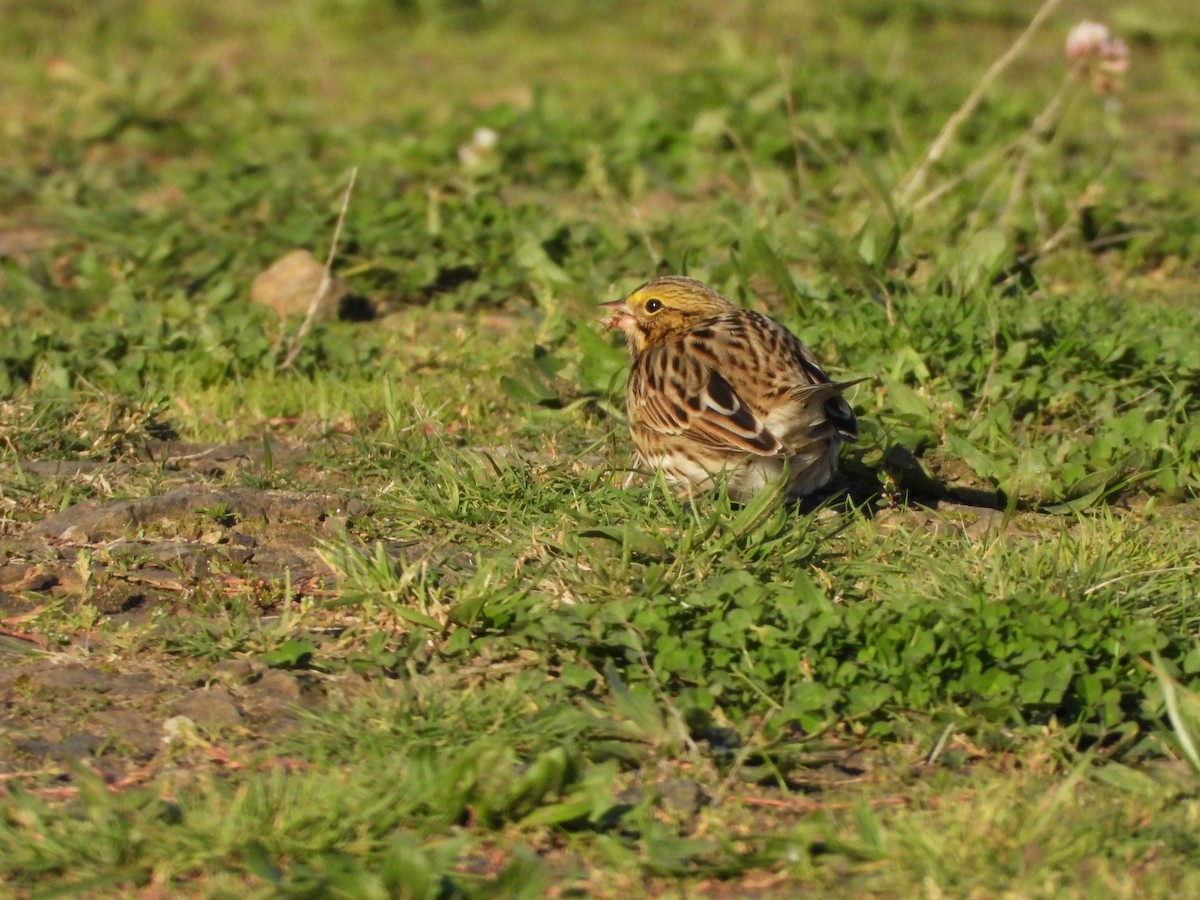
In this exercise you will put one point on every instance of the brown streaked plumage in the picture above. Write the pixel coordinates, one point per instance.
(714, 388)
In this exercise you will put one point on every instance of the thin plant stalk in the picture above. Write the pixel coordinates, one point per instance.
(915, 179)
(326, 278)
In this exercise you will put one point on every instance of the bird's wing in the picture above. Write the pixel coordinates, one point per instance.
(809, 385)
(676, 393)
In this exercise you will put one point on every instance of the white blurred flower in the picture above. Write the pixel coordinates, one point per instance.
(479, 151)
(1092, 48)
(1086, 39)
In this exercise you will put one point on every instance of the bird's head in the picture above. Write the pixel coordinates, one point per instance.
(662, 308)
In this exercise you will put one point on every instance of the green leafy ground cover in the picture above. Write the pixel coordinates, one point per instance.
(518, 676)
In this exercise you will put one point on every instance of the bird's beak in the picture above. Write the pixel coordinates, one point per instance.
(622, 316)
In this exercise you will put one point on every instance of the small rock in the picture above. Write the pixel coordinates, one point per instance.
(70, 678)
(276, 696)
(134, 684)
(237, 671)
(289, 284)
(271, 561)
(279, 684)
(163, 579)
(632, 795)
(114, 598)
(238, 555)
(129, 727)
(682, 796)
(210, 707)
(36, 579)
(12, 573)
(856, 763)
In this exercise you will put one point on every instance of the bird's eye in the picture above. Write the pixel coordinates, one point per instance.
(653, 306)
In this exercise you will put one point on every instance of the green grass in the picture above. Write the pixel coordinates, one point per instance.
(975, 676)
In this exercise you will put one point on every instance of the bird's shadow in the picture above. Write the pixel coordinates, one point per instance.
(901, 481)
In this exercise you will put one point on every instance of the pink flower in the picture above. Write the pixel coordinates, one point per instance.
(1092, 48)
(1114, 56)
(1086, 39)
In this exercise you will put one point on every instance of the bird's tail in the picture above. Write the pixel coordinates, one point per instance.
(838, 413)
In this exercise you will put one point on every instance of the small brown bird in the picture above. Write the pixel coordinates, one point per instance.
(714, 388)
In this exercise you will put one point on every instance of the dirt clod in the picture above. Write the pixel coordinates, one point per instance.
(209, 707)
(70, 678)
(289, 284)
(134, 729)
